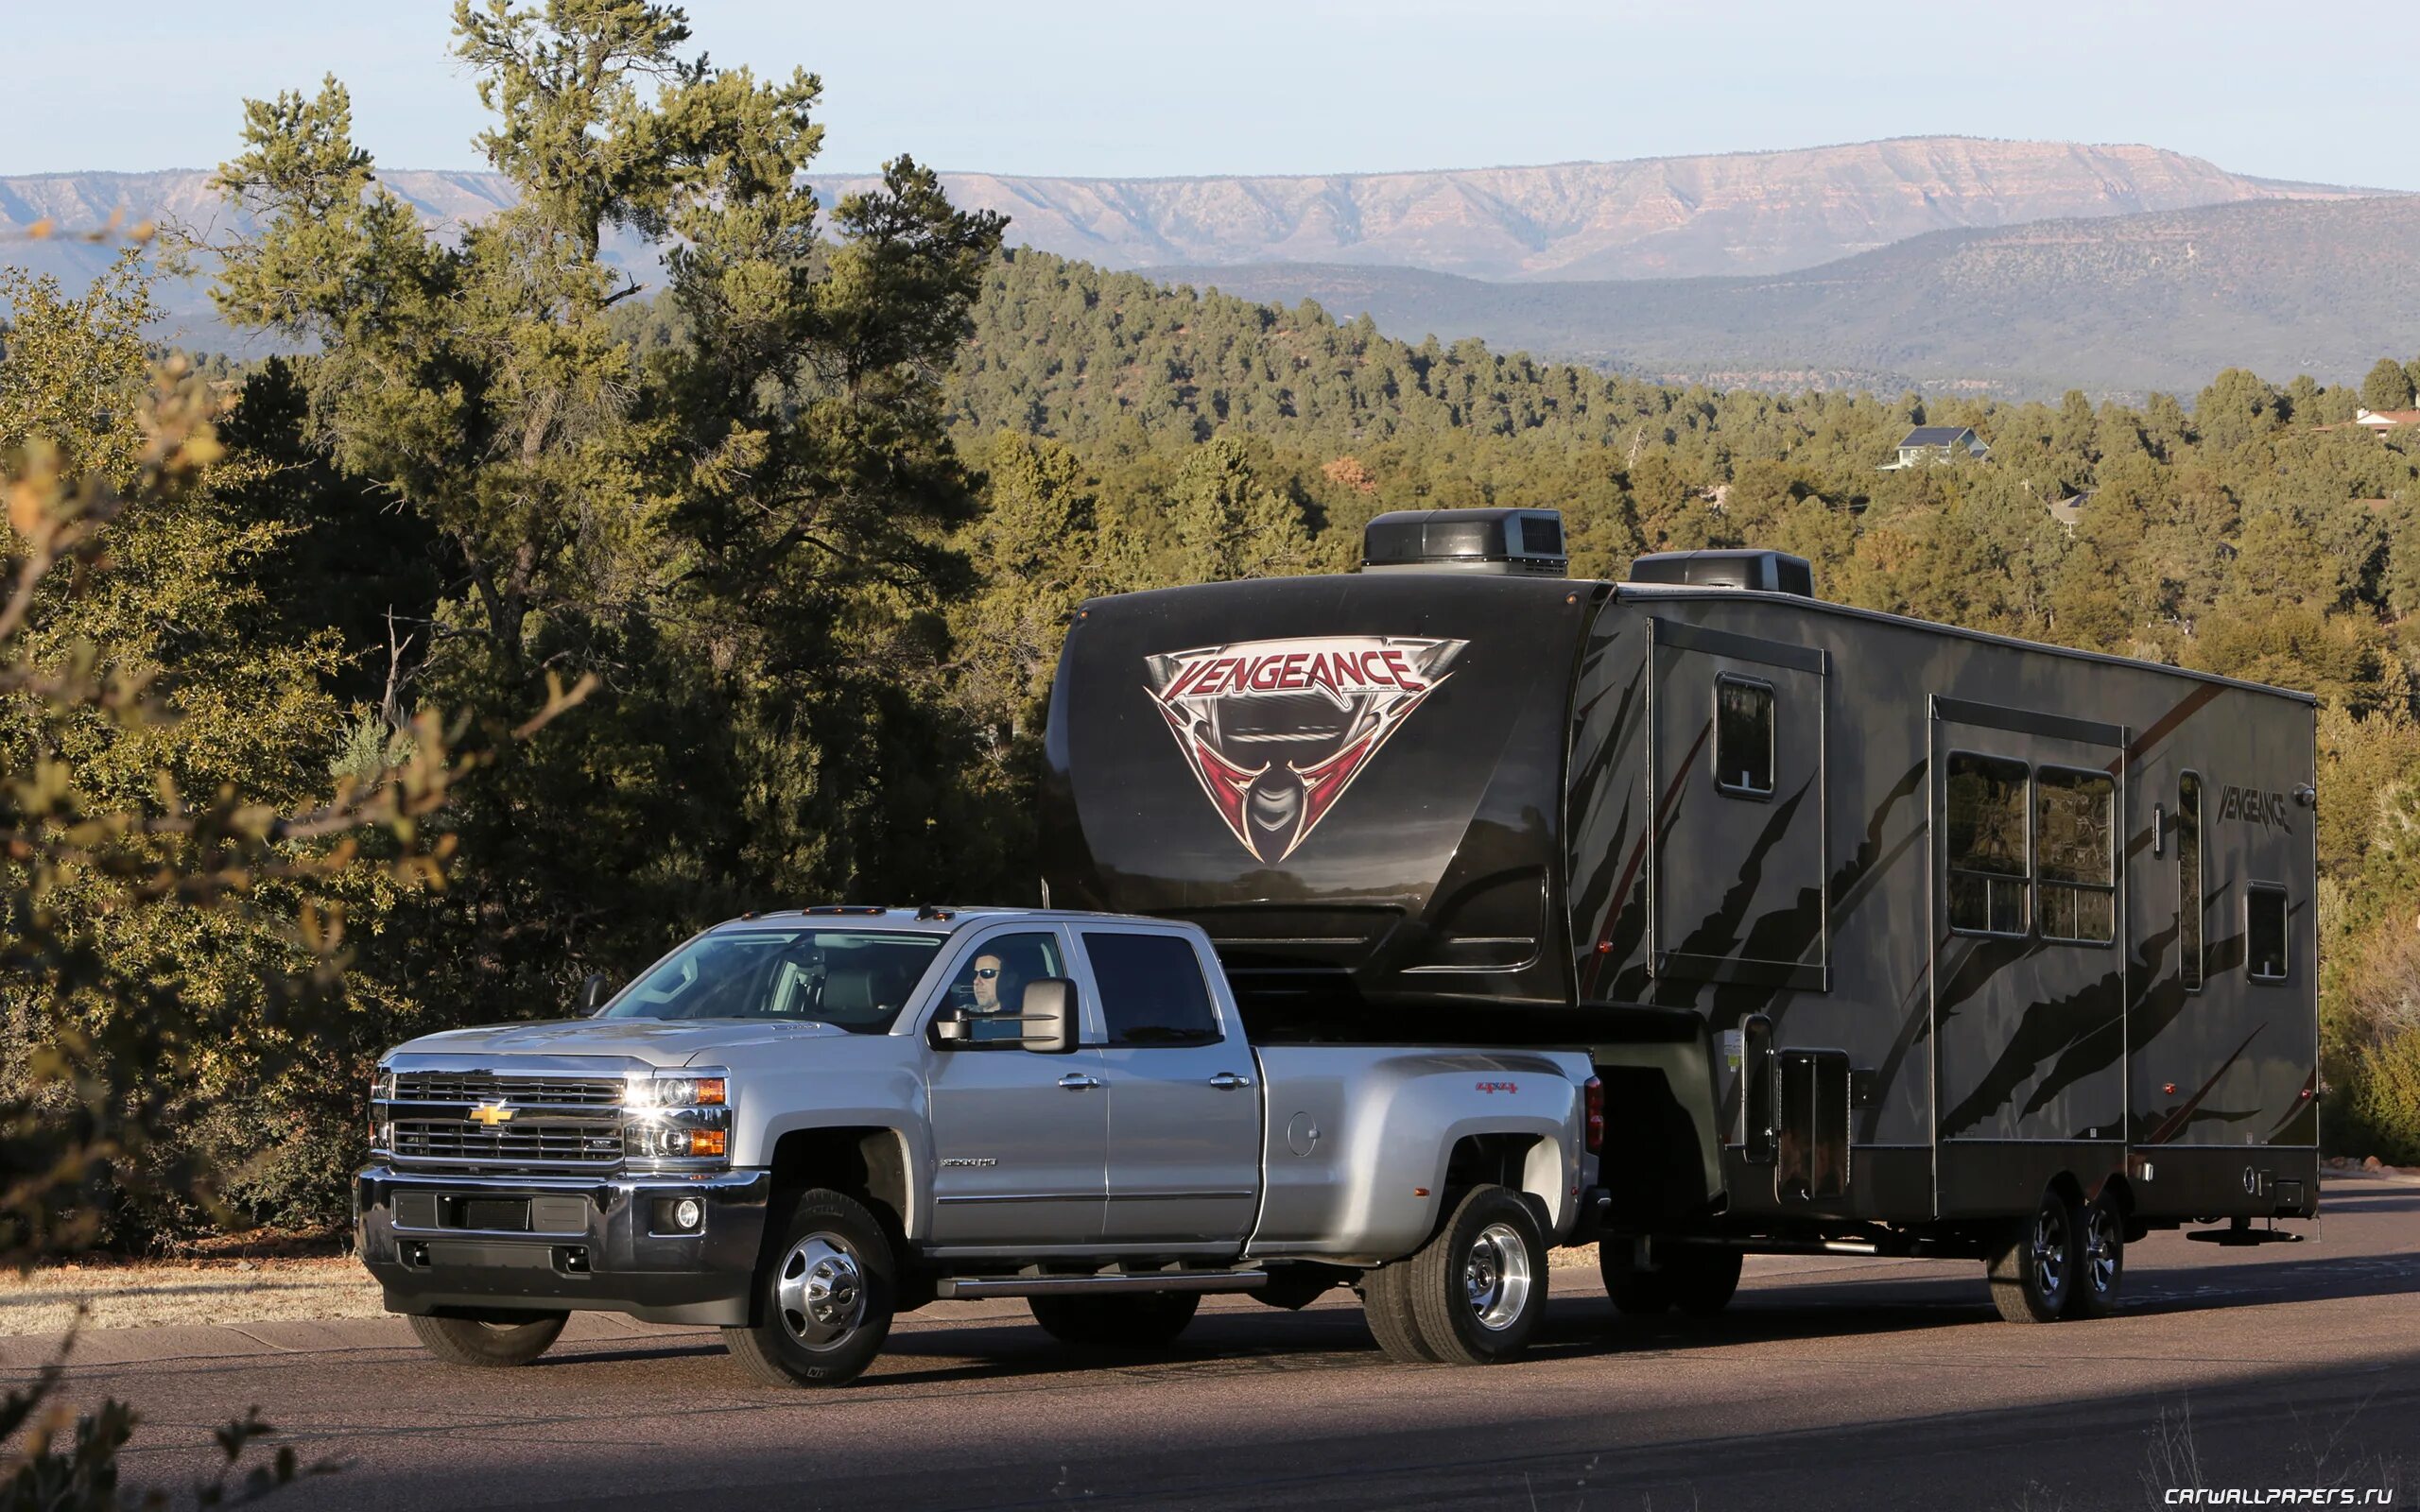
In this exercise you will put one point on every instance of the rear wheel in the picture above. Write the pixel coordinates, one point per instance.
(1386, 1305)
(1479, 1286)
(1147, 1320)
(2034, 1272)
(2102, 1260)
(487, 1342)
(1635, 1293)
(823, 1302)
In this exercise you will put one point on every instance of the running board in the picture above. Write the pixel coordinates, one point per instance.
(962, 1287)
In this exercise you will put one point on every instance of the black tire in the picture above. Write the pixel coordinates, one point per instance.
(1145, 1320)
(485, 1344)
(1635, 1293)
(1701, 1278)
(2100, 1259)
(1479, 1288)
(2033, 1271)
(824, 1296)
(1386, 1306)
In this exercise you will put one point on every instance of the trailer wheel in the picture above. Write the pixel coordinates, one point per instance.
(1635, 1293)
(2102, 1260)
(1147, 1320)
(2033, 1271)
(823, 1300)
(1479, 1286)
(1703, 1281)
(485, 1342)
(1386, 1306)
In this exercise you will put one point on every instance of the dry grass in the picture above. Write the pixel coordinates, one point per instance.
(125, 1296)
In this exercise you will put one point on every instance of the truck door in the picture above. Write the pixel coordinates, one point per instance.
(1184, 1121)
(2030, 948)
(1020, 1139)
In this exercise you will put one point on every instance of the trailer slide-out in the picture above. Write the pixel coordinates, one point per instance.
(1885, 937)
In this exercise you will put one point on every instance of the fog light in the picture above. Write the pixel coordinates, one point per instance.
(688, 1212)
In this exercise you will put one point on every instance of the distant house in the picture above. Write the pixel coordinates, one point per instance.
(1928, 444)
(2069, 510)
(2386, 420)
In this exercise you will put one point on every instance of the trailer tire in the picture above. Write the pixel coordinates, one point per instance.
(485, 1343)
(1703, 1281)
(2033, 1270)
(1635, 1293)
(1479, 1288)
(2100, 1259)
(823, 1297)
(1145, 1320)
(1386, 1306)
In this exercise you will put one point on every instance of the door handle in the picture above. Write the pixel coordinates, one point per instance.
(1076, 1081)
(1227, 1081)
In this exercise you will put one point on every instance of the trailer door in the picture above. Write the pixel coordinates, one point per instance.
(1737, 895)
(2028, 949)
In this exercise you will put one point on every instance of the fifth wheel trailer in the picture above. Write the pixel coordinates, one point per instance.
(1886, 937)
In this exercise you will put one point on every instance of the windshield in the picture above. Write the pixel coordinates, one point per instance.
(858, 980)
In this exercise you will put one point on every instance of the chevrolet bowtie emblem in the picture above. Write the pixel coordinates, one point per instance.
(491, 1114)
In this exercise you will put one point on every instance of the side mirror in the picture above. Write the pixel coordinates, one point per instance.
(1048, 1016)
(592, 992)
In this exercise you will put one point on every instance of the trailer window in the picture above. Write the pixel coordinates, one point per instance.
(2264, 933)
(2190, 899)
(1743, 736)
(1986, 844)
(1152, 991)
(2075, 878)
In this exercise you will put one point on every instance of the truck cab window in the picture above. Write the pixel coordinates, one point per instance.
(1151, 990)
(2190, 899)
(2074, 855)
(1743, 736)
(988, 991)
(2264, 933)
(1986, 839)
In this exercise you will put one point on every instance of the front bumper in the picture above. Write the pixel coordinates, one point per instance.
(592, 1244)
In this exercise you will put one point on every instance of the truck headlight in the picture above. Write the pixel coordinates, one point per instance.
(676, 1142)
(677, 1092)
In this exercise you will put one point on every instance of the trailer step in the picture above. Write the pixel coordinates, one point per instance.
(962, 1287)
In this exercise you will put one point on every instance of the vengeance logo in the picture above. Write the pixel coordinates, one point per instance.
(1276, 731)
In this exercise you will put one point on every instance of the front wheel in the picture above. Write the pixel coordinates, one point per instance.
(823, 1302)
(1479, 1286)
(2034, 1272)
(1147, 1320)
(485, 1343)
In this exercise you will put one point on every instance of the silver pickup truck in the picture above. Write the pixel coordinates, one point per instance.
(800, 1124)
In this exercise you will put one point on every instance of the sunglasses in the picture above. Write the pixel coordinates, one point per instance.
(985, 974)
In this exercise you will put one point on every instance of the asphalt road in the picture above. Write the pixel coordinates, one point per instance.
(1831, 1383)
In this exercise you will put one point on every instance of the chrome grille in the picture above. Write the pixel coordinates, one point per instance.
(521, 1091)
(420, 1139)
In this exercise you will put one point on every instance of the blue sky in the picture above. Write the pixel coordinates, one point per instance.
(1302, 87)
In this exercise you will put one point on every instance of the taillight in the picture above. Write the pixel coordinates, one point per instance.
(1596, 1091)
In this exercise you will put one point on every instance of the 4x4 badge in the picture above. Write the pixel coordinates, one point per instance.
(1276, 731)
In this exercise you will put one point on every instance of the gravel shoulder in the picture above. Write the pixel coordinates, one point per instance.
(172, 1293)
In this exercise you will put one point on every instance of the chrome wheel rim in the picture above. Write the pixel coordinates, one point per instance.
(1496, 1276)
(2100, 1251)
(2050, 1249)
(819, 1292)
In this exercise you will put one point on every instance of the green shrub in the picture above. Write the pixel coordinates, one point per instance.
(2383, 1102)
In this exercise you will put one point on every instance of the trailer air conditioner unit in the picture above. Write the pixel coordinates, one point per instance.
(1773, 572)
(1505, 543)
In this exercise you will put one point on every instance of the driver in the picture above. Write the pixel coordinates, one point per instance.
(986, 983)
